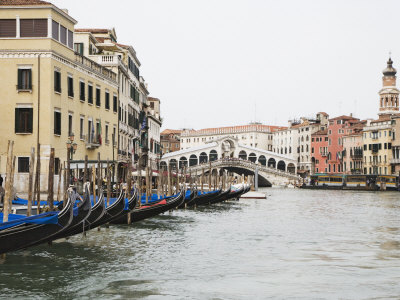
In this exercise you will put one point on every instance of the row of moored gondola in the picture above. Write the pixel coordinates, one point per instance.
(22, 232)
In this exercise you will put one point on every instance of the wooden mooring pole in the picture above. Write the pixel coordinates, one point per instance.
(30, 184)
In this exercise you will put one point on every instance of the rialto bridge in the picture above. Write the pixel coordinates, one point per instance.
(227, 154)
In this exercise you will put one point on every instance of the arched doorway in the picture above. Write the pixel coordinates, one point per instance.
(183, 162)
(203, 158)
(262, 160)
(272, 163)
(291, 168)
(252, 157)
(281, 165)
(243, 155)
(192, 160)
(163, 165)
(213, 155)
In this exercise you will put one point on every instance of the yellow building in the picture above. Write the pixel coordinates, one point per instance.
(49, 91)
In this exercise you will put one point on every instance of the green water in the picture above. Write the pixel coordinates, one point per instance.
(298, 244)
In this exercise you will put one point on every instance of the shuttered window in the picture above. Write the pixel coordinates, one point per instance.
(23, 120)
(115, 104)
(70, 39)
(56, 165)
(57, 81)
(107, 100)
(8, 28)
(24, 79)
(70, 86)
(98, 100)
(63, 35)
(55, 30)
(33, 27)
(57, 122)
(90, 94)
(23, 164)
(82, 91)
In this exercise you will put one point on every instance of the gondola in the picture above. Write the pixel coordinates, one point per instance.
(205, 198)
(98, 210)
(113, 210)
(81, 213)
(221, 197)
(189, 196)
(27, 234)
(236, 194)
(147, 211)
(130, 205)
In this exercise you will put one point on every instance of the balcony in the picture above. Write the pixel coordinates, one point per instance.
(324, 153)
(395, 161)
(109, 60)
(356, 156)
(92, 142)
(89, 63)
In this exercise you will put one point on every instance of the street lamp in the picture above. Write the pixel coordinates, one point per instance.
(71, 146)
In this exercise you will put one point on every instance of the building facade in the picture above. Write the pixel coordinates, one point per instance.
(319, 151)
(353, 149)
(45, 86)
(253, 135)
(170, 140)
(154, 131)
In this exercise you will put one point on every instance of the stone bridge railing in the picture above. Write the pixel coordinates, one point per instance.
(240, 163)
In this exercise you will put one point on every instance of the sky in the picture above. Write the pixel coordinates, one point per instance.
(219, 63)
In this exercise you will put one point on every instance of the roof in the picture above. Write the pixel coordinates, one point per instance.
(24, 2)
(321, 132)
(169, 131)
(92, 30)
(153, 99)
(233, 129)
(343, 118)
(184, 151)
(323, 113)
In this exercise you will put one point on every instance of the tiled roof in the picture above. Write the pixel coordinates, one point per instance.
(233, 129)
(92, 30)
(323, 113)
(321, 132)
(169, 131)
(23, 2)
(343, 118)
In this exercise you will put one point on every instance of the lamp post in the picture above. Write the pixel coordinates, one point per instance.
(71, 149)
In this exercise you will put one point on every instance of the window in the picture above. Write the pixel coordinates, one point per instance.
(55, 30)
(57, 81)
(24, 79)
(90, 94)
(70, 39)
(70, 86)
(56, 166)
(57, 122)
(81, 129)
(106, 135)
(69, 124)
(8, 28)
(63, 35)
(115, 103)
(82, 90)
(23, 164)
(98, 100)
(33, 27)
(78, 47)
(107, 100)
(113, 135)
(23, 120)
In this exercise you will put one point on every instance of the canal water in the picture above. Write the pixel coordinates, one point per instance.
(300, 244)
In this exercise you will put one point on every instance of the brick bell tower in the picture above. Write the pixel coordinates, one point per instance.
(389, 94)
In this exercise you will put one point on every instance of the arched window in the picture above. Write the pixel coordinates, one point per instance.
(252, 157)
(173, 164)
(290, 150)
(281, 165)
(262, 160)
(183, 162)
(243, 155)
(213, 155)
(192, 160)
(271, 163)
(203, 158)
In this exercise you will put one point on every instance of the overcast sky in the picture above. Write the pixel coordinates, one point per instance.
(226, 62)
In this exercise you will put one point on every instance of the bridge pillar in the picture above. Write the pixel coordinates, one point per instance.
(256, 179)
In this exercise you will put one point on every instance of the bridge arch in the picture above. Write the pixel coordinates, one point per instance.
(203, 158)
(193, 160)
(173, 164)
(272, 162)
(243, 155)
(163, 165)
(183, 162)
(227, 148)
(281, 165)
(262, 160)
(213, 155)
(252, 157)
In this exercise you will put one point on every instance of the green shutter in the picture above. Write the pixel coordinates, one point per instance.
(16, 120)
(19, 78)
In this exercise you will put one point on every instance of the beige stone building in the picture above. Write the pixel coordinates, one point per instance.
(49, 91)
(353, 149)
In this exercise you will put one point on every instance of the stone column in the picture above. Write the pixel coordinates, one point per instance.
(50, 27)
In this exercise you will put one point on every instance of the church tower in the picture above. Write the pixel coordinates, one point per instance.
(389, 94)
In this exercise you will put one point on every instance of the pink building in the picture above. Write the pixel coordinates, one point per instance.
(319, 151)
